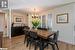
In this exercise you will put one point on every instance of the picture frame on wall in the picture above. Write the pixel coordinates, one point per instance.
(62, 18)
(18, 19)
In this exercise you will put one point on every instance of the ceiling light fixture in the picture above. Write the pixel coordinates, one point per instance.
(34, 15)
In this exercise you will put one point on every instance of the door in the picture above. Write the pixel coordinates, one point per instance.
(2, 23)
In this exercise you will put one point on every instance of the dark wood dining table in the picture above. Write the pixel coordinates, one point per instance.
(43, 33)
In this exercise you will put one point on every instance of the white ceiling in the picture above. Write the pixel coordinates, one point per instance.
(39, 5)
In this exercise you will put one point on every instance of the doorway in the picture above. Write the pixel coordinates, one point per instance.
(3, 25)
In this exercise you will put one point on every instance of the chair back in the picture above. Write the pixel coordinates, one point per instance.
(33, 34)
(26, 27)
(27, 32)
(55, 38)
(43, 28)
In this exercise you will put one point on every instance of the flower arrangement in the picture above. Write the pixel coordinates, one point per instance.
(35, 22)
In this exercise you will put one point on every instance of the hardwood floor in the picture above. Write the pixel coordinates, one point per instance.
(16, 43)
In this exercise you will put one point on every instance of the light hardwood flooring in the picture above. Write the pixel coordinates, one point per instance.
(17, 43)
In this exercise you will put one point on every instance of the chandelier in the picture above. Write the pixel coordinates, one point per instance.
(34, 15)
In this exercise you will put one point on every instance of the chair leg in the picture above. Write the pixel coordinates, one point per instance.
(41, 46)
(47, 47)
(30, 46)
(57, 46)
(53, 46)
(35, 46)
(25, 40)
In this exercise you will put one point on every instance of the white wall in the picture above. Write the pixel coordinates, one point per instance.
(74, 23)
(66, 30)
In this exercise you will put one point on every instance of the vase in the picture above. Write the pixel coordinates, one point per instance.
(35, 28)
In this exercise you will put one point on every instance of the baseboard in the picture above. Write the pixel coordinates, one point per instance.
(5, 36)
(66, 42)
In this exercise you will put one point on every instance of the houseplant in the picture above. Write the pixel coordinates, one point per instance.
(35, 23)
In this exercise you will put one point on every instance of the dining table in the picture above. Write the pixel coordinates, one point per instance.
(44, 34)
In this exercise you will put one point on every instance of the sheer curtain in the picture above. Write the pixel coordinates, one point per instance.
(49, 21)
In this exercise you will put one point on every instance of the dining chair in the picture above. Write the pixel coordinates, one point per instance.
(27, 34)
(31, 40)
(26, 27)
(43, 28)
(35, 41)
(52, 40)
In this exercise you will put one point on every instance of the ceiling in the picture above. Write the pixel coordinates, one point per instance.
(39, 5)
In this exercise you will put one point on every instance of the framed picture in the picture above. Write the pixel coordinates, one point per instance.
(18, 19)
(62, 18)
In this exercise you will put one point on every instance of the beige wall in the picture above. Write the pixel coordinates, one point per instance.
(8, 18)
(2, 23)
(18, 14)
